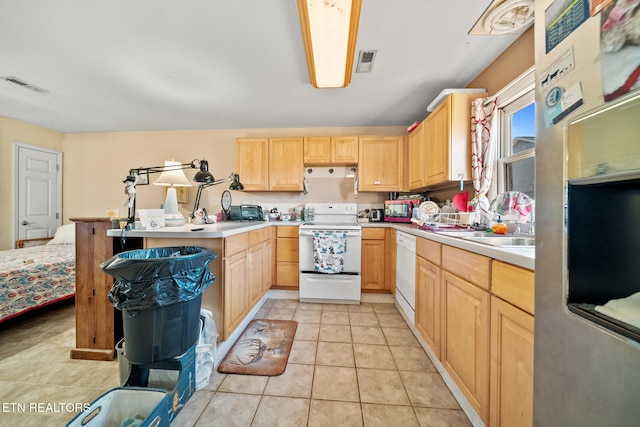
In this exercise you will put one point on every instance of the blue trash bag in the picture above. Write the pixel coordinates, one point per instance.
(147, 279)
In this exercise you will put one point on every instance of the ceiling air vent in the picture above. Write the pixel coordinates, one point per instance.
(365, 61)
(24, 84)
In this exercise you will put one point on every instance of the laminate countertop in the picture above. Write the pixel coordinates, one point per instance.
(521, 256)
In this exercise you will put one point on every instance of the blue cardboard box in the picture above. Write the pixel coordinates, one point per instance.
(144, 406)
(179, 390)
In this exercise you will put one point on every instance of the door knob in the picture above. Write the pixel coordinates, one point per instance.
(26, 223)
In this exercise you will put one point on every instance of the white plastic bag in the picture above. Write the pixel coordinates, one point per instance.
(206, 348)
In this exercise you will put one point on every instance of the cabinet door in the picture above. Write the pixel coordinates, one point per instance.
(252, 163)
(287, 249)
(513, 284)
(344, 150)
(256, 273)
(317, 150)
(235, 292)
(380, 163)
(268, 265)
(428, 300)
(287, 275)
(372, 275)
(470, 266)
(390, 258)
(417, 162)
(511, 366)
(448, 140)
(460, 135)
(286, 167)
(437, 144)
(465, 335)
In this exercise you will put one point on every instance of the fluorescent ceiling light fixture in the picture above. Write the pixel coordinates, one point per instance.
(329, 30)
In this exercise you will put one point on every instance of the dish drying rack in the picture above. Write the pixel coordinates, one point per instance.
(443, 220)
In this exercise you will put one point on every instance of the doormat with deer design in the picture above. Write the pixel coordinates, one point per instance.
(262, 349)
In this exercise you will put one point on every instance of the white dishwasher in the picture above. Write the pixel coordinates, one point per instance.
(406, 273)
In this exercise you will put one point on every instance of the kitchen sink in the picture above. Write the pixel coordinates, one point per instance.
(491, 238)
(504, 241)
(463, 234)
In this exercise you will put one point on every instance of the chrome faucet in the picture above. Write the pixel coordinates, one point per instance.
(531, 230)
(532, 223)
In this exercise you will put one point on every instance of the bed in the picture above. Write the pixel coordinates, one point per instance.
(36, 276)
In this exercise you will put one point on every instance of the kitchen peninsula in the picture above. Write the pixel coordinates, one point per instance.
(245, 266)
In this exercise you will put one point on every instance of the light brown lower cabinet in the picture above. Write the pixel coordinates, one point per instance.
(476, 314)
(511, 382)
(257, 272)
(465, 334)
(247, 274)
(243, 272)
(236, 300)
(269, 263)
(287, 271)
(373, 259)
(390, 259)
(428, 299)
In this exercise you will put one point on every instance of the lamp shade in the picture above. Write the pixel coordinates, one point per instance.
(203, 175)
(172, 175)
(329, 32)
(236, 184)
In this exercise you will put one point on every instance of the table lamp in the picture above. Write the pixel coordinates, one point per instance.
(172, 177)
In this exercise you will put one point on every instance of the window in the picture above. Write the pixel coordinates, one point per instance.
(516, 163)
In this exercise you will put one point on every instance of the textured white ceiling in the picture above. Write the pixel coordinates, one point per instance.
(122, 65)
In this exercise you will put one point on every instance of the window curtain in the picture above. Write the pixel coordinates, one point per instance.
(484, 142)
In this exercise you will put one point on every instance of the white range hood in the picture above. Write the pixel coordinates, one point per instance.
(312, 172)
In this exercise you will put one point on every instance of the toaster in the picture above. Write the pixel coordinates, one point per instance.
(246, 213)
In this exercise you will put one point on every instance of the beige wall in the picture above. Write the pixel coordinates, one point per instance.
(514, 61)
(96, 164)
(12, 131)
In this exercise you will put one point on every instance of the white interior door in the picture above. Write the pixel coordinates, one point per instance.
(38, 192)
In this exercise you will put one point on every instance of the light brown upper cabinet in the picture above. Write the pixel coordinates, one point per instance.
(252, 163)
(417, 163)
(270, 164)
(334, 150)
(286, 167)
(381, 160)
(440, 147)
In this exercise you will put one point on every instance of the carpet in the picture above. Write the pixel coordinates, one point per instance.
(262, 349)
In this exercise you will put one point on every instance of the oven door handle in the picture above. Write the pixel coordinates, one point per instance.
(349, 234)
(333, 277)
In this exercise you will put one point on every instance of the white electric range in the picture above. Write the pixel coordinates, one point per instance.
(330, 254)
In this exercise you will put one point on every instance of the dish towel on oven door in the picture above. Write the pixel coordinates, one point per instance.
(328, 251)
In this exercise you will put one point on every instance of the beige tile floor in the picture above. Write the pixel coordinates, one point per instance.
(349, 366)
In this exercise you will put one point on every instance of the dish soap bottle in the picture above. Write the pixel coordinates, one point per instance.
(499, 227)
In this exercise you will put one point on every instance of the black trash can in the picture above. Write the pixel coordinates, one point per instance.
(159, 291)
